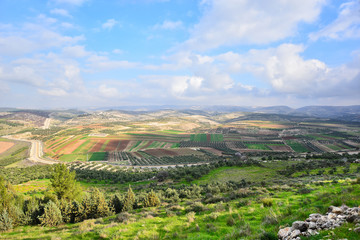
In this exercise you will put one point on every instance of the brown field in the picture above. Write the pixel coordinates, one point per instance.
(147, 145)
(213, 151)
(4, 146)
(160, 152)
(98, 145)
(72, 146)
(123, 145)
(112, 145)
(283, 148)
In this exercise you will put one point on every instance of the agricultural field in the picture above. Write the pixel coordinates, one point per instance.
(214, 177)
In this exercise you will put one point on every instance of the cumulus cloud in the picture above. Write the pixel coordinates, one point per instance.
(109, 24)
(56, 92)
(169, 25)
(76, 51)
(61, 12)
(71, 2)
(288, 72)
(345, 26)
(232, 22)
(109, 92)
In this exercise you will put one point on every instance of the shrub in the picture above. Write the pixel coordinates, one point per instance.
(268, 236)
(213, 216)
(230, 221)
(196, 207)
(242, 203)
(151, 200)
(190, 217)
(123, 217)
(87, 225)
(267, 202)
(5, 221)
(52, 215)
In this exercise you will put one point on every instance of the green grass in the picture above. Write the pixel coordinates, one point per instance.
(202, 137)
(297, 147)
(98, 156)
(287, 207)
(81, 149)
(257, 146)
(74, 157)
(224, 174)
(217, 137)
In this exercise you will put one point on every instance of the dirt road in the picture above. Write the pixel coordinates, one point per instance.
(36, 151)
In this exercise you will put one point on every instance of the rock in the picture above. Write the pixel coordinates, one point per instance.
(295, 234)
(283, 233)
(352, 218)
(312, 225)
(332, 215)
(336, 210)
(357, 229)
(300, 225)
(312, 232)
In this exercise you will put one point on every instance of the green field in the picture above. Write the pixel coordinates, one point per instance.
(297, 147)
(97, 156)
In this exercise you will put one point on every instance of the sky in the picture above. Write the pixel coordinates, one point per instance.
(96, 53)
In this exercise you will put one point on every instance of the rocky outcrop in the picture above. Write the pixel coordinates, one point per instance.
(316, 222)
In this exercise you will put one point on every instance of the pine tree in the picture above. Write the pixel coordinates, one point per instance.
(77, 212)
(117, 203)
(63, 182)
(5, 221)
(52, 215)
(129, 200)
(151, 200)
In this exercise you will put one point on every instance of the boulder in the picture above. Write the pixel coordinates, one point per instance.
(300, 225)
(336, 210)
(283, 233)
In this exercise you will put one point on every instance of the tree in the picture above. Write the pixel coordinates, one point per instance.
(63, 183)
(151, 200)
(52, 215)
(129, 200)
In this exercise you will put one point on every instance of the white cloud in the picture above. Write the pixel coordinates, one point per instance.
(289, 73)
(71, 2)
(56, 92)
(345, 26)
(232, 22)
(169, 25)
(75, 51)
(117, 51)
(61, 12)
(109, 92)
(103, 63)
(23, 74)
(109, 24)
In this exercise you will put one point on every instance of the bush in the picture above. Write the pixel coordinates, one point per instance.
(52, 215)
(5, 221)
(267, 202)
(268, 236)
(190, 217)
(196, 207)
(230, 221)
(213, 216)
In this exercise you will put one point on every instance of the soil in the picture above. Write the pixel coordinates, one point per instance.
(4, 146)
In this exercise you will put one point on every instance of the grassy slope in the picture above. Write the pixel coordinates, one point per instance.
(249, 220)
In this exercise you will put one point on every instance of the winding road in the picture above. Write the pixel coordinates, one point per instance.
(36, 150)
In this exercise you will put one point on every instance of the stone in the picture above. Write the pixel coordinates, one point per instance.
(312, 225)
(300, 225)
(357, 229)
(283, 233)
(295, 234)
(336, 210)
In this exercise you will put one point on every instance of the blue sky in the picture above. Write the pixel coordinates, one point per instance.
(92, 53)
